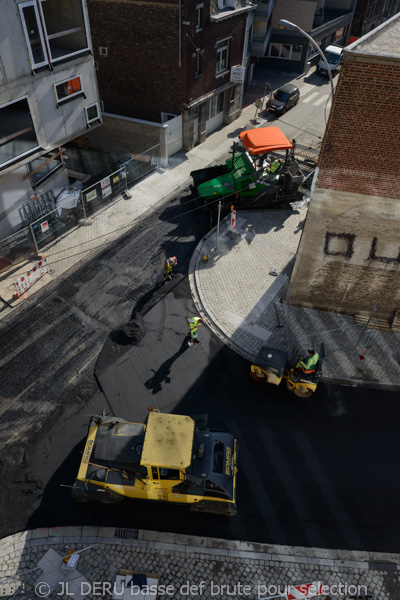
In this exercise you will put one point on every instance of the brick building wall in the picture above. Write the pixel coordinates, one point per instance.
(140, 76)
(206, 40)
(123, 136)
(359, 151)
(349, 254)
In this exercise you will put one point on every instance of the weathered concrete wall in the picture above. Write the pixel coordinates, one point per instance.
(349, 254)
(54, 124)
(124, 136)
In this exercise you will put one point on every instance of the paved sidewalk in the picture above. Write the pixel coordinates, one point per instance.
(189, 567)
(241, 301)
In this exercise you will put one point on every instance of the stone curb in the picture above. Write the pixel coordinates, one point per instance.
(212, 322)
(202, 547)
(199, 301)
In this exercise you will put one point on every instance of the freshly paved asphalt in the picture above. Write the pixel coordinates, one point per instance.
(310, 472)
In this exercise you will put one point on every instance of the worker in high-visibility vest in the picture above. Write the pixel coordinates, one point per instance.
(169, 263)
(308, 364)
(274, 167)
(194, 323)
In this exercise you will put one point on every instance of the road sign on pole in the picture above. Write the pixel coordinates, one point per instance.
(233, 219)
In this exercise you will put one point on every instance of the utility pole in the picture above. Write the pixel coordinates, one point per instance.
(219, 215)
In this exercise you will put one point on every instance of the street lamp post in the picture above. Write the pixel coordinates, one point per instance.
(288, 25)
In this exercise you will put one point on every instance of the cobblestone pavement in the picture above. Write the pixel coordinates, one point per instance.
(189, 567)
(239, 291)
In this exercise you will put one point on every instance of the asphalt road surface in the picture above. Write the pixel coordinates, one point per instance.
(318, 472)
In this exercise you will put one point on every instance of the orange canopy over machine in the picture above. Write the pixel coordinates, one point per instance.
(264, 140)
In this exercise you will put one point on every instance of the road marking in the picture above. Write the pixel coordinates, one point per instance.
(310, 97)
(260, 494)
(328, 491)
(293, 491)
(321, 100)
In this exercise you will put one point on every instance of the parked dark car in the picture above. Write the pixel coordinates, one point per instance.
(284, 98)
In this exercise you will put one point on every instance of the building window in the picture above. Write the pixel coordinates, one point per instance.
(68, 89)
(222, 56)
(103, 51)
(40, 168)
(33, 34)
(17, 131)
(54, 29)
(199, 16)
(285, 51)
(197, 72)
(92, 113)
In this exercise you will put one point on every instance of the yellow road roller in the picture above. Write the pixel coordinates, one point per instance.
(273, 365)
(170, 459)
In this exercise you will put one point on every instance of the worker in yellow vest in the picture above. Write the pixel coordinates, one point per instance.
(194, 323)
(308, 364)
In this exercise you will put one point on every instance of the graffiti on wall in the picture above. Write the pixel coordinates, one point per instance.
(384, 259)
(342, 244)
(339, 244)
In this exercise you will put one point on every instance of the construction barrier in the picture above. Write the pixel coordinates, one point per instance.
(233, 219)
(27, 279)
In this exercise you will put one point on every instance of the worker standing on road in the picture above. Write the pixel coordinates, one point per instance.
(308, 365)
(194, 323)
(169, 263)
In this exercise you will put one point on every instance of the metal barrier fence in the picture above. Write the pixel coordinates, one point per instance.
(16, 248)
(71, 207)
(59, 221)
(75, 205)
(102, 192)
(142, 164)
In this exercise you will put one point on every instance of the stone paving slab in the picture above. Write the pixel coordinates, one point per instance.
(222, 569)
(247, 307)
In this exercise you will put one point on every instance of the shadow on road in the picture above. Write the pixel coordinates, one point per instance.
(162, 375)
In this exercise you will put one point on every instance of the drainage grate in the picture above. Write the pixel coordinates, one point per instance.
(367, 386)
(126, 534)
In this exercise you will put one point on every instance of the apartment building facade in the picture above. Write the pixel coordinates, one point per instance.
(169, 63)
(326, 21)
(369, 14)
(349, 254)
(48, 96)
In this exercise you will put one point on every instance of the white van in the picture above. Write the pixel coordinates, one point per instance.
(333, 55)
